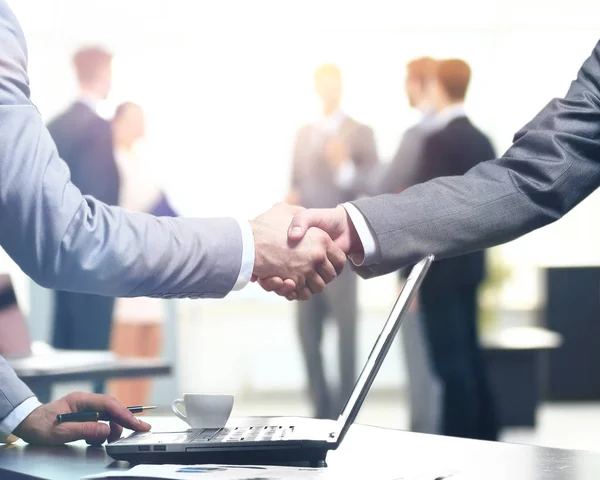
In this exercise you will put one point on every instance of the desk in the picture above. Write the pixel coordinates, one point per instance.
(72, 366)
(365, 453)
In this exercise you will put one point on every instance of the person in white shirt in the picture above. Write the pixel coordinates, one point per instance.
(137, 323)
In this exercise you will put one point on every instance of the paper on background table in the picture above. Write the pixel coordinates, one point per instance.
(229, 472)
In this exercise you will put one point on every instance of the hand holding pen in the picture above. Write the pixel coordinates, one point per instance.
(93, 416)
(41, 426)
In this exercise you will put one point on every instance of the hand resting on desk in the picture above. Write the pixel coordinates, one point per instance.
(41, 427)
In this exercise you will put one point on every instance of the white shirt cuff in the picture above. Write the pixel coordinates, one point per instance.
(365, 234)
(14, 418)
(247, 255)
(344, 176)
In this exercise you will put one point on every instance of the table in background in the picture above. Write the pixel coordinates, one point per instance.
(367, 452)
(516, 360)
(41, 372)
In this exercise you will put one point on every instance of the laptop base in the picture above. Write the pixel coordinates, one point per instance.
(294, 456)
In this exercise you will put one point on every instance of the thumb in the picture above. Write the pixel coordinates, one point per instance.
(303, 220)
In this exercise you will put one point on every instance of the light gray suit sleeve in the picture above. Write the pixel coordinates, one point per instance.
(13, 391)
(553, 164)
(66, 241)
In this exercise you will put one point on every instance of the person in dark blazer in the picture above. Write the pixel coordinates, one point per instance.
(84, 142)
(424, 386)
(331, 161)
(377, 232)
(448, 295)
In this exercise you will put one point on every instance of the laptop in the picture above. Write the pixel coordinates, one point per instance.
(272, 440)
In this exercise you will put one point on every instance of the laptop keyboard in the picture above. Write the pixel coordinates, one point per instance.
(243, 434)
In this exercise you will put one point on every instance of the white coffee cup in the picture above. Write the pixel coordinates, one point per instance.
(203, 410)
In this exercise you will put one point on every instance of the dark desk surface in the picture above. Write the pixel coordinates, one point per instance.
(367, 452)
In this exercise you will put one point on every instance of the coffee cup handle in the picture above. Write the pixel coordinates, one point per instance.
(175, 407)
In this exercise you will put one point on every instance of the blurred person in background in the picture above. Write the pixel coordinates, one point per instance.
(425, 389)
(448, 295)
(424, 385)
(137, 326)
(452, 145)
(332, 159)
(84, 142)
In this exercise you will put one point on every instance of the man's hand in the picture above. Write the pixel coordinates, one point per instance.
(307, 263)
(333, 221)
(41, 427)
(335, 152)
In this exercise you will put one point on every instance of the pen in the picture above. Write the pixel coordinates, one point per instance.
(96, 416)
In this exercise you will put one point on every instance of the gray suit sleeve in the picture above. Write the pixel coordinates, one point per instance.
(66, 241)
(554, 163)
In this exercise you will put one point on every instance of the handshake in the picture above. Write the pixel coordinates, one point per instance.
(299, 251)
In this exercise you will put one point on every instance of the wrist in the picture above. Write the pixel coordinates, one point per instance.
(259, 260)
(353, 245)
(28, 426)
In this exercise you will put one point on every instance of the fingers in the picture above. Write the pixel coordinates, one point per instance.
(337, 257)
(315, 283)
(303, 293)
(292, 296)
(287, 288)
(283, 288)
(272, 284)
(94, 433)
(105, 403)
(327, 271)
(115, 432)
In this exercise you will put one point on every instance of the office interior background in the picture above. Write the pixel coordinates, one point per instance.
(225, 85)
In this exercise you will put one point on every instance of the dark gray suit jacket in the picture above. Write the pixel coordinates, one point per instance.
(553, 164)
(67, 241)
(313, 178)
(84, 141)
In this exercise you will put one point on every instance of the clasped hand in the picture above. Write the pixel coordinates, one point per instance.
(299, 251)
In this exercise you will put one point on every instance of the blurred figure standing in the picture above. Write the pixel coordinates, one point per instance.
(137, 329)
(332, 160)
(424, 385)
(84, 142)
(448, 295)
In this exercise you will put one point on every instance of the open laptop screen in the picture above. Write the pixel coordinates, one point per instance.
(382, 345)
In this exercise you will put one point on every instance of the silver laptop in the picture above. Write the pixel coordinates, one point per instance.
(272, 440)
